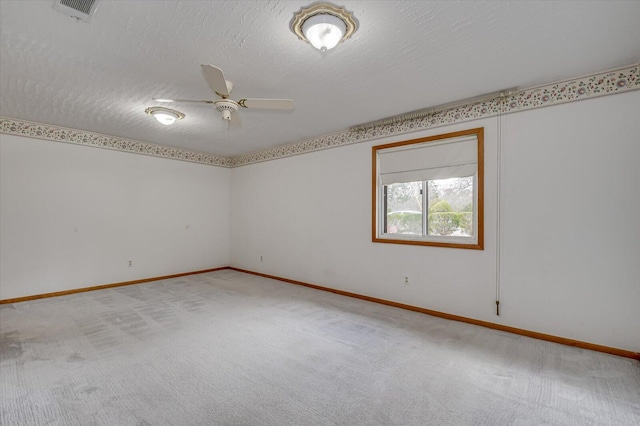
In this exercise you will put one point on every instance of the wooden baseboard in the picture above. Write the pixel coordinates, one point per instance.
(100, 287)
(527, 333)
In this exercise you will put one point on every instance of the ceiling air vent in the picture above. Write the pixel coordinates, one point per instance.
(82, 10)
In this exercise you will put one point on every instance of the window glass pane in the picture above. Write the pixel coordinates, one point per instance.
(404, 208)
(451, 207)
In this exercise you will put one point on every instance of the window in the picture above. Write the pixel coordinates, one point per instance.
(429, 191)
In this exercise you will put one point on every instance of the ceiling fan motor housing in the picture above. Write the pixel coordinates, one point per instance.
(226, 107)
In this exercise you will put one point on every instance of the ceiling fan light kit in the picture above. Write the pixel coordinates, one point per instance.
(165, 116)
(323, 25)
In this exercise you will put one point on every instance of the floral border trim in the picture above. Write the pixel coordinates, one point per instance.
(61, 134)
(606, 83)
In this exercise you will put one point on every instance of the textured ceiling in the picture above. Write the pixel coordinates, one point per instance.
(406, 55)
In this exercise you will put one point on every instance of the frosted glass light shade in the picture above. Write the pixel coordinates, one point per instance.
(324, 31)
(323, 25)
(163, 115)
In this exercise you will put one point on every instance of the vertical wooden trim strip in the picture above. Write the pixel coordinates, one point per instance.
(480, 207)
(374, 193)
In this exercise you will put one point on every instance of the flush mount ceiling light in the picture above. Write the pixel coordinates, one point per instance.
(323, 25)
(163, 115)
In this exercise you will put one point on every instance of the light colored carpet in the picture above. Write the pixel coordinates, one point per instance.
(227, 348)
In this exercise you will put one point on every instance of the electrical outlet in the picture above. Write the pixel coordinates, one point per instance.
(260, 258)
(130, 263)
(406, 280)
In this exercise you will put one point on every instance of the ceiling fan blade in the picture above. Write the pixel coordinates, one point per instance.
(281, 104)
(181, 100)
(215, 79)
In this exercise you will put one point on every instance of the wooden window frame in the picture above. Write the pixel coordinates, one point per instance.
(478, 244)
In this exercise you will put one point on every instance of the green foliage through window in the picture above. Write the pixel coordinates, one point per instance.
(450, 209)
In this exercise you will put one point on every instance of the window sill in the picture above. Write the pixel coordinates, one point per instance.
(451, 243)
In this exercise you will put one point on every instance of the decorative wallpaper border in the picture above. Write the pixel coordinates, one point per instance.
(61, 134)
(606, 83)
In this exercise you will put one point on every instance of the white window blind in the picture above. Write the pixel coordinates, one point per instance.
(429, 161)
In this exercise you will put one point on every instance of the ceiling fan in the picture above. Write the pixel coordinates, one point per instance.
(228, 107)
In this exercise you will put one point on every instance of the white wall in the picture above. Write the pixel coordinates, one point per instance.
(571, 220)
(570, 203)
(73, 216)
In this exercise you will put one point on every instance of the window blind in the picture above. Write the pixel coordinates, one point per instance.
(429, 161)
